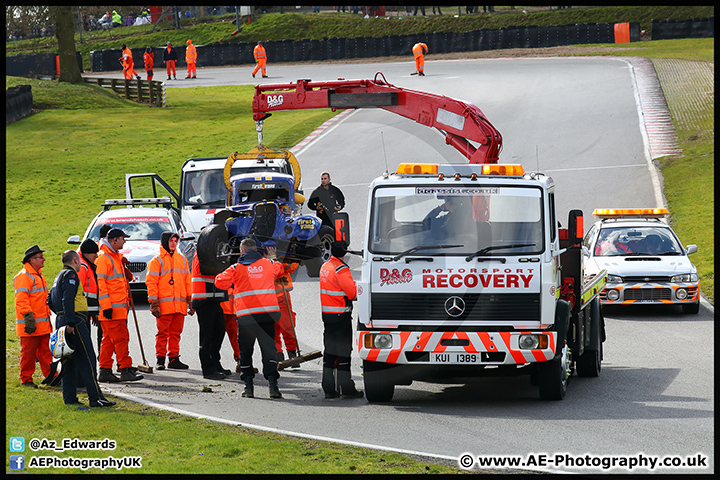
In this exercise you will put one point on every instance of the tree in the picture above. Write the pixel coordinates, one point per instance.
(65, 33)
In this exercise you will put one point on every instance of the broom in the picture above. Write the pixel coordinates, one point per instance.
(300, 358)
(144, 367)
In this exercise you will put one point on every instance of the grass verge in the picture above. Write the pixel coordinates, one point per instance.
(64, 159)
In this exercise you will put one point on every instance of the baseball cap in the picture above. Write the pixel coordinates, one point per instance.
(115, 233)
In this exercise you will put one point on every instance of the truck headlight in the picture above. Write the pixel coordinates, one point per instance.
(532, 342)
(687, 277)
(378, 340)
(613, 295)
(614, 279)
(681, 294)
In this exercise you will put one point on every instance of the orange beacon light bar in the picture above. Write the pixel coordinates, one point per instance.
(630, 212)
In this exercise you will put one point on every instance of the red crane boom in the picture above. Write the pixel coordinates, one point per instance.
(459, 121)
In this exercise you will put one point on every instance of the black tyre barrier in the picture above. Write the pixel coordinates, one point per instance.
(18, 103)
(530, 36)
(693, 28)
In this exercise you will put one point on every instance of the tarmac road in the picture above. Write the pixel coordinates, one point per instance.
(575, 119)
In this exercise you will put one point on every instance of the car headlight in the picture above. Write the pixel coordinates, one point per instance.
(687, 277)
(614, 279)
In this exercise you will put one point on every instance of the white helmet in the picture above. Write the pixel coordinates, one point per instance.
(62, 343)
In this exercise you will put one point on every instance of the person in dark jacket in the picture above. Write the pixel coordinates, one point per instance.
(326, 200)
(66, 299)
(169, 59)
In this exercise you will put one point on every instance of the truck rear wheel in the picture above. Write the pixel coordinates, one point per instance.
(553, 376)
(589, 364)
(212, 245)
(378, 387)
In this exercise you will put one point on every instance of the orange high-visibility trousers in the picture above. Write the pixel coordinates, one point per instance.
(231, 330)
(167, 338)
(192, 71)
(284, 326)
(115, 340)
(420, 63)
(260, 66)
(30, 348)
(170, 66)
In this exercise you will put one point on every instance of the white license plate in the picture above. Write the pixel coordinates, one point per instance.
(455, 358)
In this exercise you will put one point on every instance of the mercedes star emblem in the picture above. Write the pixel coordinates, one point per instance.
(454, 306)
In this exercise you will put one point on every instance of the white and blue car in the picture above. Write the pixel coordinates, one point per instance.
(644, 259)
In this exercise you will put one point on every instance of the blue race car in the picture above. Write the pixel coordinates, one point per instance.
(264, 207)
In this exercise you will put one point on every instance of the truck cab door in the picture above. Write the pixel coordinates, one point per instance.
(148, 185)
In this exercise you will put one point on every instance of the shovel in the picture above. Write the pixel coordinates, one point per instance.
(144, 367)
(291, 362)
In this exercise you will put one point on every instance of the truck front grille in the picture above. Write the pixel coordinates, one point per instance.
(478, 307)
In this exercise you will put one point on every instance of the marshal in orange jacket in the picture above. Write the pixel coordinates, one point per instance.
(30, 296)
(253, 282)
(336, 284)
(112, 284)
(169, 282)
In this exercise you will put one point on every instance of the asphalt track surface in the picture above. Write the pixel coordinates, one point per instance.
(576, 119)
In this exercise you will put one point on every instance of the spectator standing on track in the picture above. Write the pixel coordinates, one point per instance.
(253, 281)
(326, 200)
(68, 301)
(113, 291)
(32, 316)
(419, 50)
(169, 287)
(169, 59)
(149, 60)
(260, 58)
(191, 59)
(337, 291)
(206, 300)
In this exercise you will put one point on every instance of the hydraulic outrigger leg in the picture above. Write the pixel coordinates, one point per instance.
(259, 128)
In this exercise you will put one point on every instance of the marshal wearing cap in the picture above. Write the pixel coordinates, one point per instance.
(115, 233)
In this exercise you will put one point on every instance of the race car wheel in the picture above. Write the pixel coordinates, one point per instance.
(378, 387)
(212, 246)
(327, 237)
(553, 376)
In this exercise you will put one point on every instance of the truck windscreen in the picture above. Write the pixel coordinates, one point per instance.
(474, 216)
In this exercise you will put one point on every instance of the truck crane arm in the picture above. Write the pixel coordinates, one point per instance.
(459, 121)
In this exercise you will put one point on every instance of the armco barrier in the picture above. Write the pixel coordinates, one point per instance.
(18, 103)
(693, 28)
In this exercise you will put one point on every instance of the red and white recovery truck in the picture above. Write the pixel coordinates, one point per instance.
(465, 270)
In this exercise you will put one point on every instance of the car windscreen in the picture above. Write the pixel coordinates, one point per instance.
(206, 188)
(474, 217)
(139, 228)
(625, 240)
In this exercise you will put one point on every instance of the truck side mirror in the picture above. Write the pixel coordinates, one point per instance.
(75, 240)
(575, 226)
(342, 227)
(690, 248)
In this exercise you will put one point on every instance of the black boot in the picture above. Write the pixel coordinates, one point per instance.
(177, 364)
(274, 390)
(127, 375)
(249, 390)
(160, 363)
(106, 375)
(293, 354)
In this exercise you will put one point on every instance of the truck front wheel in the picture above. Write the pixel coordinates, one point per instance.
(552, 376)
(378, 387)
(212, 248)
